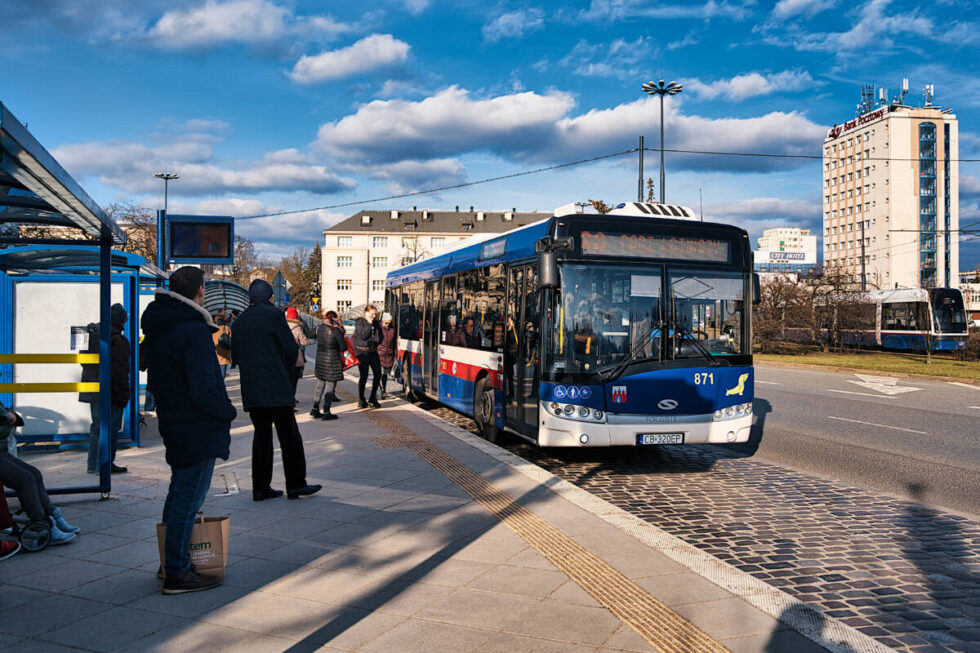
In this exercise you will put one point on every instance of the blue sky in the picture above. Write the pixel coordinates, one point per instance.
(270, 105)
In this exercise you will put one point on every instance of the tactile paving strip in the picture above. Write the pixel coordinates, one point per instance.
(652, 619)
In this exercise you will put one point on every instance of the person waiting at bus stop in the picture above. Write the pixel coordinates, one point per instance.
(265, 352)
(329, 368)
(386, 351)
(367, 337)
(119, 394)
(28, 482)
(194, 413)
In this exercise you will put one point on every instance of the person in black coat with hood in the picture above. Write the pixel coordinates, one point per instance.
(264, 350)
(119, 393)
(193, 410)
(329, 369)
(367, 337)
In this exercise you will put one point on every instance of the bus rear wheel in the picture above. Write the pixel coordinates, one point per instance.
(485, 410)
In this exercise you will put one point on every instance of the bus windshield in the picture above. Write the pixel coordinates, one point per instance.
(948, 310)
(608, 315)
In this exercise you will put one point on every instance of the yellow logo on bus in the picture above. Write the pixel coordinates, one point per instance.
(740, 388)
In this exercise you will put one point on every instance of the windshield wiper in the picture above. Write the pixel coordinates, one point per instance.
(617, 369)
(700, 348)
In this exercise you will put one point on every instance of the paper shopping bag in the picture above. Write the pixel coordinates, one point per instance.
(209, 545)
(350, 358)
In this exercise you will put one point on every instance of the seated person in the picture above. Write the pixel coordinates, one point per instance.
(468, 335)
(27, 481)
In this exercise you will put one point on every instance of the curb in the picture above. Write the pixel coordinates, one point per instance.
(857, 370)
(808, 621)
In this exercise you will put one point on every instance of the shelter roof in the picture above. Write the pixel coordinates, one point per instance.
(70, 258)
(36, 189)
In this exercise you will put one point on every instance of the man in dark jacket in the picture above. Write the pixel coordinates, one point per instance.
(263, 348)
(119, 394)
(193, 410)
(367, 337)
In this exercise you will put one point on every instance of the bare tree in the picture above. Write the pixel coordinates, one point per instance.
(246, 261)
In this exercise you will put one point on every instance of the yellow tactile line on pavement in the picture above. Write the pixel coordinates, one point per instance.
(634, 606)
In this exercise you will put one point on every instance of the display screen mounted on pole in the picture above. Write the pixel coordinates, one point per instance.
(201, 239)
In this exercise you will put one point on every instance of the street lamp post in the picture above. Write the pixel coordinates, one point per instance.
(662, 89)
(167, 177)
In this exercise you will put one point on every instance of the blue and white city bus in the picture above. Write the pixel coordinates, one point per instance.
(628, 328)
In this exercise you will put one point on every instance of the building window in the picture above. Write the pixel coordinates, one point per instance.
(379, 241)
(343, 306)
(343, 284)
(407, 260)
(437, 241)
(345, 241)
(927, 205)
(377, 284)
(379, 262)
(345, 261)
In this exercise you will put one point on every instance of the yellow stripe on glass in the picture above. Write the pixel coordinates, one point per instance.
(20, 388)
(49, 358)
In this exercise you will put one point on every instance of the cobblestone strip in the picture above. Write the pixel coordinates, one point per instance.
(810, 620)
(652, 619)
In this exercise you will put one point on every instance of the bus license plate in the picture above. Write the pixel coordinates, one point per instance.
(661, 438)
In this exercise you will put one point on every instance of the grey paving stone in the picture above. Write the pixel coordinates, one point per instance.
(253, 573)
(418, 636)
(324, 585)
(627, 639)
(194, 605)
(122, 588)
(399, 597)
(48, 613)
(520, 581)
(488, 610)
(132, 555)
(110, 629)
(198, 636)
(731, 617)
(69, 573)
(781, 641)
(509, 643)
(681, 589)
(454, 573)
(13, 595)
(568, 623)
(571, 592)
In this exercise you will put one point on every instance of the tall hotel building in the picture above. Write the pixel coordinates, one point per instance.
(891, 195)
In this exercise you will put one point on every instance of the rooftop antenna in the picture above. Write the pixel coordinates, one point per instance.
(929, 92)
(905, 89)
(867, 99)
(882, 96)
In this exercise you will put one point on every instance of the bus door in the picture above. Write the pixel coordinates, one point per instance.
(521, 350)
(430, 338)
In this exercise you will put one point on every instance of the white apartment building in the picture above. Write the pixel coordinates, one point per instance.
(891, 196)
(359, 252)
(782, 246)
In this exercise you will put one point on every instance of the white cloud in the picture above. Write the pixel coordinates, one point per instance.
(399, 88)
(789, 8)
(691, 38)
(613, 10)
(759, 213)
(446, 123)
(514, 24)
(130, 167)
(540, 128)
(752, 84)
(413, 175)
(370, 53)
(621, 58)
(415, 7)
(969, 188)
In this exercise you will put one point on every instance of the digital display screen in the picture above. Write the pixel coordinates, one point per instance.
(603, 243)
(205, 240)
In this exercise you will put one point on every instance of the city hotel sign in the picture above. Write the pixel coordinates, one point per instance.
(837, 130)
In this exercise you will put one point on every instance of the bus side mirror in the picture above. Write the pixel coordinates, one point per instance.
(756, 289)
(547, 270)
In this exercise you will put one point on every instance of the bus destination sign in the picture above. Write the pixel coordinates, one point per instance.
(602, 243)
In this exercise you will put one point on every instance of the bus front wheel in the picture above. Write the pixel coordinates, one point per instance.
(485, 410)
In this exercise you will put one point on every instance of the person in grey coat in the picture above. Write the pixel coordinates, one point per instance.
(263, 349)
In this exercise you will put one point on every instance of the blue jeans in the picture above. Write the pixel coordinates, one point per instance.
(115, 425)
(149, 403)
(224, 370)
(188, 488)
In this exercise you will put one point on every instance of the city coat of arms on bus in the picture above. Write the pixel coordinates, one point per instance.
(619, 394)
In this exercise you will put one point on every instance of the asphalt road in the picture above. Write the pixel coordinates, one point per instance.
(907, 437)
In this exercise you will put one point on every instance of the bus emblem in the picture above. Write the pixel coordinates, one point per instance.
(454, 368)
(667, 404)
(560, 392)
(739, 387)
(619, 394)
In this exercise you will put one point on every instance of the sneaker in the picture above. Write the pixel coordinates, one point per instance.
(58, 536)
(62, 524)
(306, 490)
(328, 416)
(262, 495)
(315, 413)
(8, 549)
(362, 404)
(189, 581)
(118, 469)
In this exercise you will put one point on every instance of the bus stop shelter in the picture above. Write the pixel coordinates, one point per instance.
(35, 190)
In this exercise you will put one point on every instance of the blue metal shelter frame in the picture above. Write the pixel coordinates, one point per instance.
(36, 190)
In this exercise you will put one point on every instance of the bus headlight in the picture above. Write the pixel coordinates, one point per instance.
(569, 410)
(719, 413)
(584, 411)
(748, 408)
(554, 405)
(597, 414)
(730, 411)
